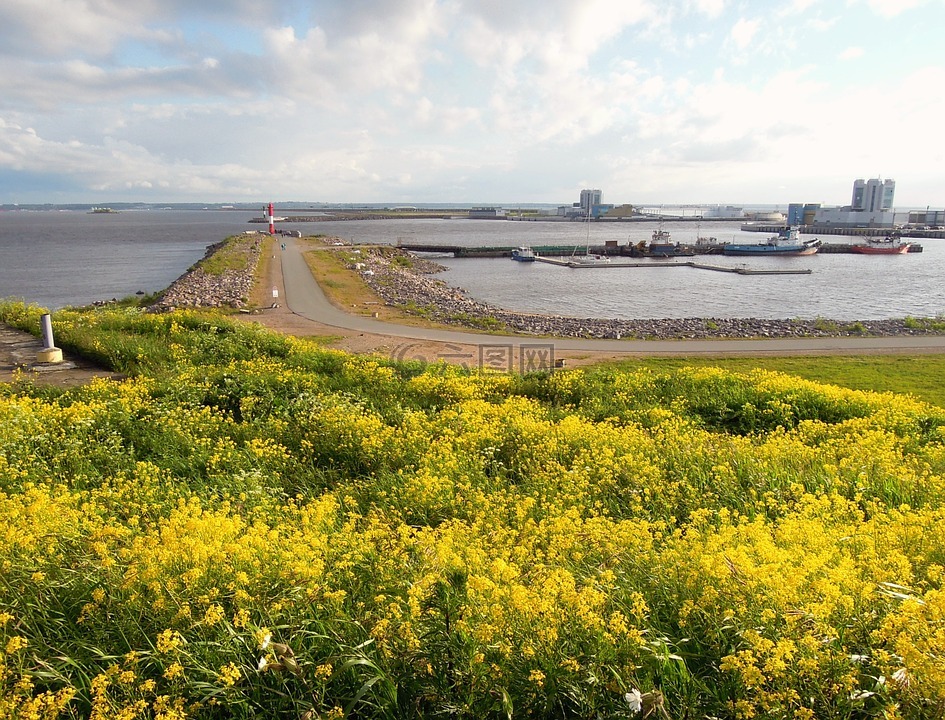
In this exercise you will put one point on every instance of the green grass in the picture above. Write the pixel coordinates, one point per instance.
(916, 375)
(234, 256)
(257, 527)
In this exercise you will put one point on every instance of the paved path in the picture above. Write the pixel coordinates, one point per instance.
(304, 297)
(18, 351)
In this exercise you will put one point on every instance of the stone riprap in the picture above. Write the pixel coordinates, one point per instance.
(409, 287)
(230, 288)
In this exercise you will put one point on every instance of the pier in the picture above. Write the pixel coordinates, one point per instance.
(612, 251)
(486, 251)
(686, 263)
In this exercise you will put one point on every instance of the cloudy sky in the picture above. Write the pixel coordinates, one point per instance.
(470, 101)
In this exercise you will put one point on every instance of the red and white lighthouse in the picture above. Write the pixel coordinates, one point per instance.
(272, 220)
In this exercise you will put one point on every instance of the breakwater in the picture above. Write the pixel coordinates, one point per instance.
(413, 290)
(228, 286)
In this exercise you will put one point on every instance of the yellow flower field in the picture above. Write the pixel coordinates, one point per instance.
(251, 526)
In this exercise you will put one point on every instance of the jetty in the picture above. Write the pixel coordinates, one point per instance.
(740, 270)
(461, 251)
(611, 250)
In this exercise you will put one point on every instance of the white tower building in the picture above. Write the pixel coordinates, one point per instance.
(873, 195)
(589, 198)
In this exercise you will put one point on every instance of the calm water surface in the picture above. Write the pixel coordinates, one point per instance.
(73, 258)
(840, 286)
(56, 259)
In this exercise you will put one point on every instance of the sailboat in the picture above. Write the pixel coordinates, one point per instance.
(588, 258)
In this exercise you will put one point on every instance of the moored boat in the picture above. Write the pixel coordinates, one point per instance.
(892, 244)
(709, 242)
(587, 259)
(786, 242)
(523, 253)
(661, 243)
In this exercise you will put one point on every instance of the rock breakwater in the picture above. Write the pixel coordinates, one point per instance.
(406, 284)
(227, 286)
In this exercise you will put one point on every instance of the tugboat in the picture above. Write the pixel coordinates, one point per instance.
(661, 244)
(523, 253)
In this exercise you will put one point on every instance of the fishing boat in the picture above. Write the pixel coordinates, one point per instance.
(892, 244)
(786, 242)
(523, 253)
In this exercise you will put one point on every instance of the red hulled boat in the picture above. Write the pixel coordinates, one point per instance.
(892, 244)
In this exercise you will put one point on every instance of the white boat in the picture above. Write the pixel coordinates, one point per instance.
(523, 253)
(786, 242)
(588, 258)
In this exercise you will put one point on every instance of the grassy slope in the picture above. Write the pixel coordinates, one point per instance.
(420, 537)
(917, 375)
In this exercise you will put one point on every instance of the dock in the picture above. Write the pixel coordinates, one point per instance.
(613, 251)
(461, 251)
(686, 263)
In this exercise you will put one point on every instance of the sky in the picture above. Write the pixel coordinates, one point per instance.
(470, 101)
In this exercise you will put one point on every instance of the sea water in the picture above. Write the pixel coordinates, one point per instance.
(840, 286)
(59, 258)
(56, 259)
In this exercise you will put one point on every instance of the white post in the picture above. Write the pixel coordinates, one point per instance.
(50, 353)
(46, 322)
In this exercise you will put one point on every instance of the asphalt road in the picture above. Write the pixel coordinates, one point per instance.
(305, 298)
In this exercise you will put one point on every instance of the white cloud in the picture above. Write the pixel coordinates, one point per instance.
(556, 39)
(57, 28)
(892, 8)
(709, 8)
(743, 32)
(384, 49)
(820, 24)
(452, 99)
(797, 7)
(445, 118)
